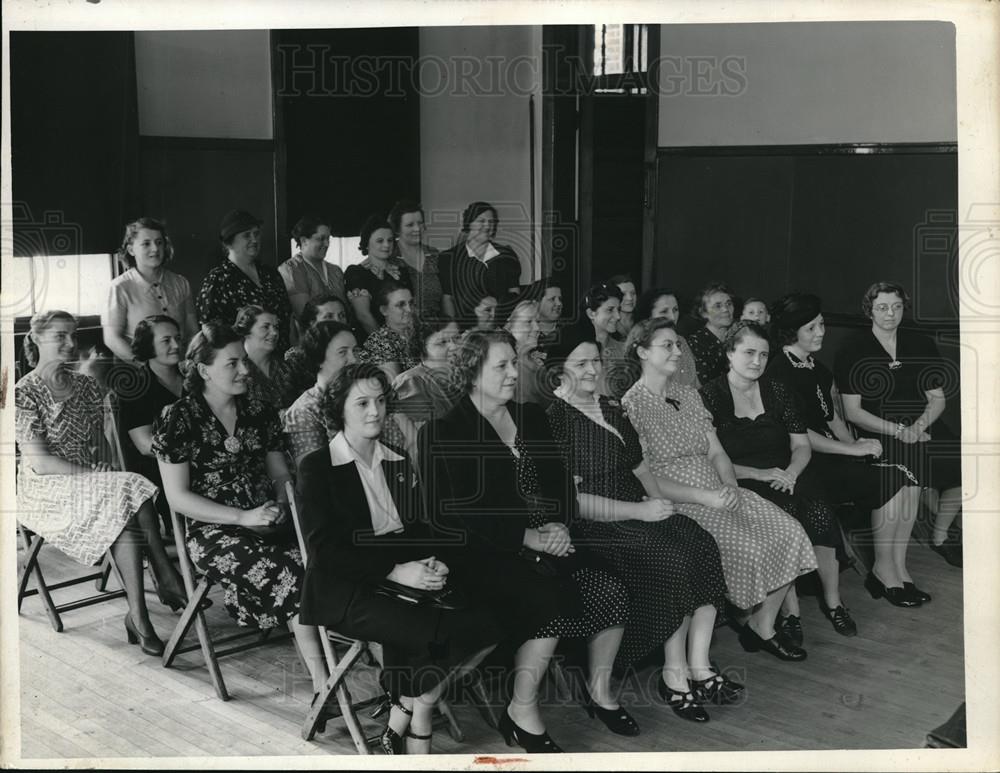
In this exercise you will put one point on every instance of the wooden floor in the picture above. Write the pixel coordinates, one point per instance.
(87, 693)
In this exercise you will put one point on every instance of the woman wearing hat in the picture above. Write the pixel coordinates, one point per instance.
(242, 280)
(477, 266)
(851, 467)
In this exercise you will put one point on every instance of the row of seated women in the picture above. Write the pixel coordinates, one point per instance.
(629, 574)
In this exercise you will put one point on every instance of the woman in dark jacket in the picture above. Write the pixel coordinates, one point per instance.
(501, 492)
(362, 519)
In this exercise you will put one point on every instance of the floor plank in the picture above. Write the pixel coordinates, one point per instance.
(87, 693)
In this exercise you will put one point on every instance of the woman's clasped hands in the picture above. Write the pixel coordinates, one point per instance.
(425, 574)
(266, 518)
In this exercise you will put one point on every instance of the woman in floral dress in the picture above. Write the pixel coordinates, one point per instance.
(763, 548)
(270, 377)
(222, 463)
(67, 490)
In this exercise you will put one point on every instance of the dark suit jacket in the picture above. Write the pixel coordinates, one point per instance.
(472, 485)
(344, 555)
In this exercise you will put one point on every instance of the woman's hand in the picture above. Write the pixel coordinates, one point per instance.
(555, 540)
(417, 574)
(911, 435)
(783, 480)
(101, 467)
(652, 510)
(438, 567)
(867, 447)
(261, 520)
(726, 498)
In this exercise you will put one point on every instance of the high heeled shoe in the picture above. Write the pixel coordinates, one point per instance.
(617, 720)
(717, 689)
(391, 741)
(683, 704)
(151, 644)
(177, 601)
(778, 645)
(897, 596)
(914, 592)
(533, 743)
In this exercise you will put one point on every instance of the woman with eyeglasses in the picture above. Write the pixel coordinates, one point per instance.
(662, 302)
(714, 305)
(853, 469)
(763, 548)
(894, 384)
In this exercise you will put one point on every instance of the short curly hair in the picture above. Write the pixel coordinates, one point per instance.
(247, 316)
(125, 258)
(644, 305)
(882, 287)
(316, 340)
(427, 327)
(335, 397)
(142, 339)
(698, 309)
(213, 337)
(371, 225)
(311, 310)
(473, 352)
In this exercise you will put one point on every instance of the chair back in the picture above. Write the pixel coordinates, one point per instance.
(110, 406)
(290, 491)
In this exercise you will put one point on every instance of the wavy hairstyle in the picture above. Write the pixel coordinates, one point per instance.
(316, 340)
(645, 303)
(206, 344)
(125, 258)
(473, 352)
(41, 322)
(142, 339)
(335, 397)
(882, 287)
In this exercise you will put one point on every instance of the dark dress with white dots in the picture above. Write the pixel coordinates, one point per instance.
(670, 567)
(709, 354)
(763, 442)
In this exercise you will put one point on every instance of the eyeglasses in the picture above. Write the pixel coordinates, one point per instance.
(722, 305)
(883, 308)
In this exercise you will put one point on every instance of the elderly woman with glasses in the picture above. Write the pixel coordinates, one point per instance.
(714, 305)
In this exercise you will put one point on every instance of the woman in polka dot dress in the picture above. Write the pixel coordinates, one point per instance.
(763, 548)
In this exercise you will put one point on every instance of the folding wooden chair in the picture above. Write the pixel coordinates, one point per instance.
(197, 587)
(339, 669)
(32, 544)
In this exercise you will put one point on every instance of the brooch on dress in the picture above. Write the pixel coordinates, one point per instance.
(895, 364)
(673, 402)
(232, 444)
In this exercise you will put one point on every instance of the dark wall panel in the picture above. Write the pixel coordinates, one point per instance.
(193, 183)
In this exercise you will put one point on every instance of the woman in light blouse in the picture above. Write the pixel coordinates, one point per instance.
(147, 288)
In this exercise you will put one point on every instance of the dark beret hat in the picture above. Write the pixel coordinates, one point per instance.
(237, 221)
(795, 310)
(568, 338)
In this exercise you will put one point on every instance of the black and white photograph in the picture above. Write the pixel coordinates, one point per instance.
(471, 382)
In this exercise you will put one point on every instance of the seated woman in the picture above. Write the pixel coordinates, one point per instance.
(243, 280)
(328, 347)
(763, 434)
(389, 346)
(523, 326)
(156, 344)
(893, 382)
(763, 548)
(301, 373)
(550, 309)
(363, 521)
(626, 310)
(477, 266)
(146, 288)
(67, 490)
(662, 302)
(268, 378)
(407, 220)
(848, 466)
(222, 462)
(378, 242)
(669, 564)
(600, 311)
(500, 493)
(485, 313)
(429, 390)
(714, 305)
(307, 274)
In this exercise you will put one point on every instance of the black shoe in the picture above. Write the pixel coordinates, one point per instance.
(151, 644)
(717, 689)
(916, 593)
(177, 602)
(390, 741)
(949, 550)
(778, 645)
(618, 720)
(684, 704)
(533, 743)
(897, 596)
(791, 626)
(842, 621)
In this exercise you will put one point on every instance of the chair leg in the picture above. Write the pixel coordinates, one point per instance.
(32, 568)
(101, 583)
(335, 684)
(454, 729)
(208, 652)
(563, 688)
(482, 700)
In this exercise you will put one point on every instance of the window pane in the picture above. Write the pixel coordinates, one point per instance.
(343, 251)
(74, 283)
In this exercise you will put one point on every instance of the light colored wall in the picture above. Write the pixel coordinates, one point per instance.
(204, 83)
(807, 83)
(474, 141)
